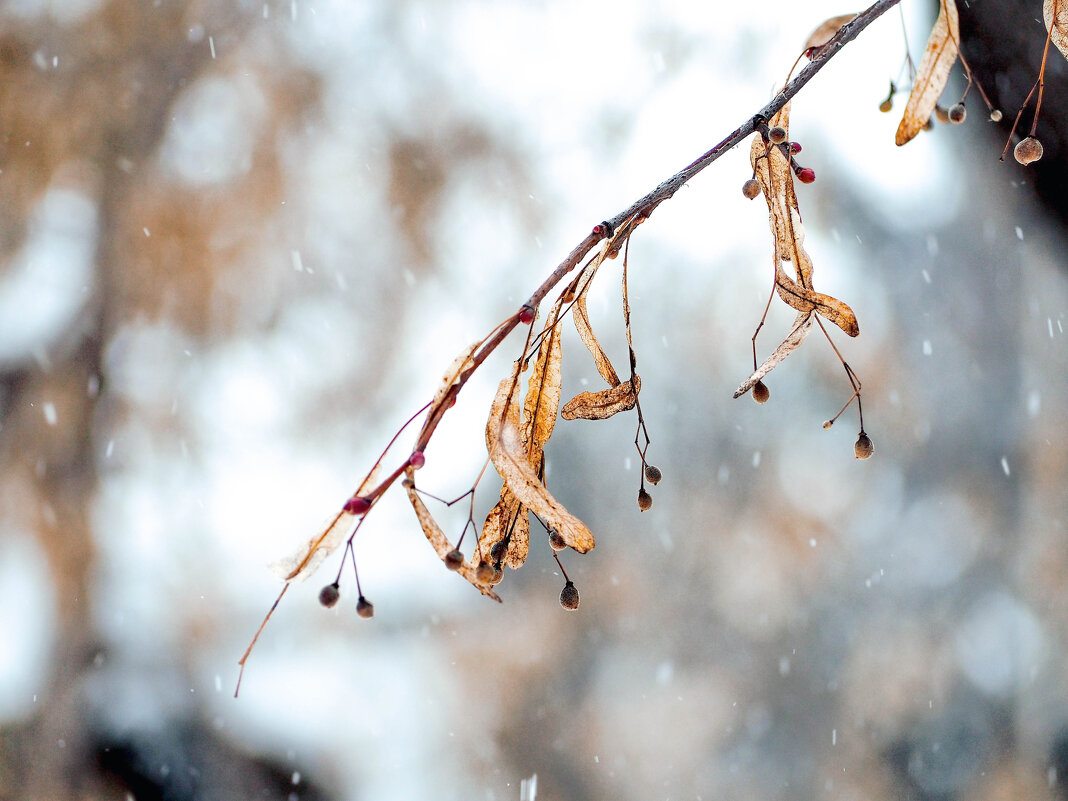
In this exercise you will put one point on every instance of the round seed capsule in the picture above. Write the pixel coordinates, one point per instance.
(498, 550)
(863, 447)
(329, 594)
(454, 560)
(995, 115)
(485, 572)
(645, 500)
(777, 134)
(556, 540)
(498, 574)
(364, 608)
(886, 105)
(569, 596)
(957, 113)
(751, 188)
(653, 474)
(1028, 150)
(761, 393)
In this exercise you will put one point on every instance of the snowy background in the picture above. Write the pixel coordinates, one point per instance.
(242, 243)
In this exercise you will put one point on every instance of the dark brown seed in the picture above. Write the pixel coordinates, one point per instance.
(645, 500)
(556, 540)
(329, 594)
(365, 608)
(1028, 150)
(761, 393)
(957, 113)
(569, 596)
(454, 560)
(777, 134)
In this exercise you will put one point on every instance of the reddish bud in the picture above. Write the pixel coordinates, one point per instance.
(795, 148)
(526, 314)
(357, 505)
(806, 175)
(417, 459)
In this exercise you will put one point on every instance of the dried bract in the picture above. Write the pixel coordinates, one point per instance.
(1055, 15)
(602, 405)
(933, 73)
(824, 33)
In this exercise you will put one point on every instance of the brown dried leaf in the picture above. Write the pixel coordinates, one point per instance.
(582, 324)
(542, 402)
(802, 325)
(807, 300)
(777, 182)
(1055, 15)
(825, 32)
(602, 405)
(508, 518)
(509, 457)
(931, 78)
(306, 559)
(440, 542)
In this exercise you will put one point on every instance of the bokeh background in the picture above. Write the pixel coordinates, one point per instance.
(241, 241)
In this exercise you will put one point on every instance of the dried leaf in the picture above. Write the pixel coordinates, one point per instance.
(931, 78)
(509, 457)
(582, 324)
(807, 300)
(773, 172)
(508, 518)
(602, 405)
(802, 325)
(542, 402)
(306, 559)
(460, 365)
(440, 542)
(1055, 15)
(825, 32)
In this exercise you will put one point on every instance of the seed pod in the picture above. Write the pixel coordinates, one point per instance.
(365, 608)
(417, 460)
(751, 188)
(863, 447)
(485, 572)
(556, 541)
(777, 134)
(569, 596)
(957, 113)
(886, 105)
(645, 500)
(454, 560)
(941, 114)
(1028, 150)
(653, 474)
(498, 550)
(498, 574)
(761, 393)
(995, 115)
(329, 594)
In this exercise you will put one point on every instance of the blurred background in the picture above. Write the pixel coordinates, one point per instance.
(241, 242)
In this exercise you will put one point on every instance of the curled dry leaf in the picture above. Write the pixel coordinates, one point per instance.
(825, 32)
(931, 77)
(542, 402)
(306, 559)
(509, 519)
(440, 542)
(509, 457)
(773, 172)
(582, 324)
(602, 405)
(1055, 15)
(802, 325)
